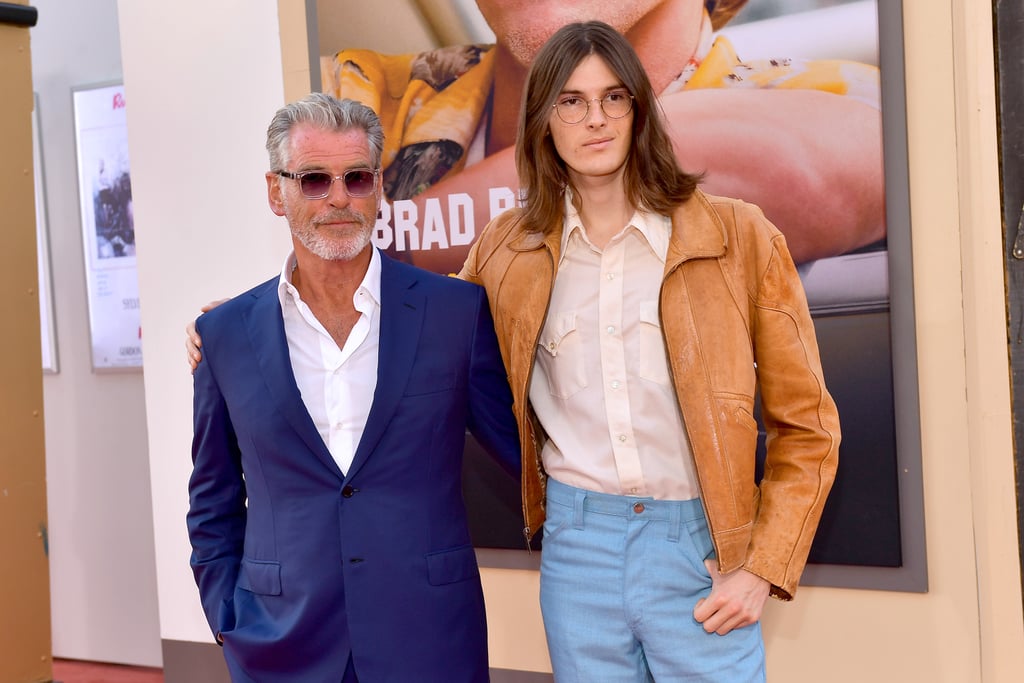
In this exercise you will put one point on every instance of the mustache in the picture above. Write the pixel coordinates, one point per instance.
(341, 215)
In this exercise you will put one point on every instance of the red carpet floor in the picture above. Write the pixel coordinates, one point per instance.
(71, 671)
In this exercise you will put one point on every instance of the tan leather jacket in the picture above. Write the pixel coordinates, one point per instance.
(735, 321)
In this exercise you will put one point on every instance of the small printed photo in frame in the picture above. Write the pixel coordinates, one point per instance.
(108, 226)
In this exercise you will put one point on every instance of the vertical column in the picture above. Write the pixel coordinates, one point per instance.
(1010, 49)
(25, 650)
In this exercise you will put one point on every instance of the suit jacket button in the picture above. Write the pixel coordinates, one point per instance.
(348, 491)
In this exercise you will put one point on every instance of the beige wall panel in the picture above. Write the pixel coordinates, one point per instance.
(24, 568)
(295, 45)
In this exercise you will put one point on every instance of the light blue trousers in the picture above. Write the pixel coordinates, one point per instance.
(619, 579)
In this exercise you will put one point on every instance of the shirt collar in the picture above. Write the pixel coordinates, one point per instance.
(370, 283)
(654, 229)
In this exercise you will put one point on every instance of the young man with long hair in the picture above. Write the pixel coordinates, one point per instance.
(638, 318)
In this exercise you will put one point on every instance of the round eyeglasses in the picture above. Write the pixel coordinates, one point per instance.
(358, 182)
(573, 108)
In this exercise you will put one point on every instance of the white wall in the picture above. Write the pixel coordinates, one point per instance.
(102, 575)
(202, 80)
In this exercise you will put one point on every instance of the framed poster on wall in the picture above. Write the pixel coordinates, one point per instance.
(108, 230)
(793, 105)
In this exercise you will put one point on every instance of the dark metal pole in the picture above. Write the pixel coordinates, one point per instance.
(18, 15)
(1009, 20)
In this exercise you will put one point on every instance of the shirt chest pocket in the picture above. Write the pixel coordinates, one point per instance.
(652, 359)
(560, 355)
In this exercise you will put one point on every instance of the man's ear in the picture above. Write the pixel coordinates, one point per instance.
(274, 197)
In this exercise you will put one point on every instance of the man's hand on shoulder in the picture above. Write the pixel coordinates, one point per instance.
(193, 342)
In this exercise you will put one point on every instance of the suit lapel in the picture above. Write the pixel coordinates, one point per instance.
(401, 318)
(265, 327)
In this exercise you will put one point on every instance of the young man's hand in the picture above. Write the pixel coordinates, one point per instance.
(737, 600)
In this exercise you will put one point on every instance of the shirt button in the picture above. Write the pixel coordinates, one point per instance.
(622, 438)
(610, 276)
(610, 329)
(638, 508)
(551, 346)
(615, 384)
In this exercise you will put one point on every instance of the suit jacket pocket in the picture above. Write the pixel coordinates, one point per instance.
(452, 566)
(257, 576)
(423, 382)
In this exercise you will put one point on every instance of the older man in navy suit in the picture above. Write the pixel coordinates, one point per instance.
(329, 535)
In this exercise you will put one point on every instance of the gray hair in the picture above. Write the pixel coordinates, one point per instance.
(329, 113)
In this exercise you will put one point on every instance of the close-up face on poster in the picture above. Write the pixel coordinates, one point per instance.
(776, 102)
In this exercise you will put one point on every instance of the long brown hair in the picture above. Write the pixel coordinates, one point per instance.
(721, 11)
(653, 178)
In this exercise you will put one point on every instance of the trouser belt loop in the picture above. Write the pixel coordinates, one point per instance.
(675, 515)
(577, 508)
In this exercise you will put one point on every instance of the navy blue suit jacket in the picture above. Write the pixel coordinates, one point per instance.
(298, 565)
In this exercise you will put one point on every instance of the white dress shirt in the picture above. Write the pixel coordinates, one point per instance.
(601, 386)
(337, 385)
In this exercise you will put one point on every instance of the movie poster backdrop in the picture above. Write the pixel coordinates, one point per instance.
(448, 170)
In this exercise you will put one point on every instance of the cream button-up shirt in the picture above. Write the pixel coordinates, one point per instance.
(601, 385)
(337, 385)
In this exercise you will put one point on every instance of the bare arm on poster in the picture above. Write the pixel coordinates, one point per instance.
(811, 160)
